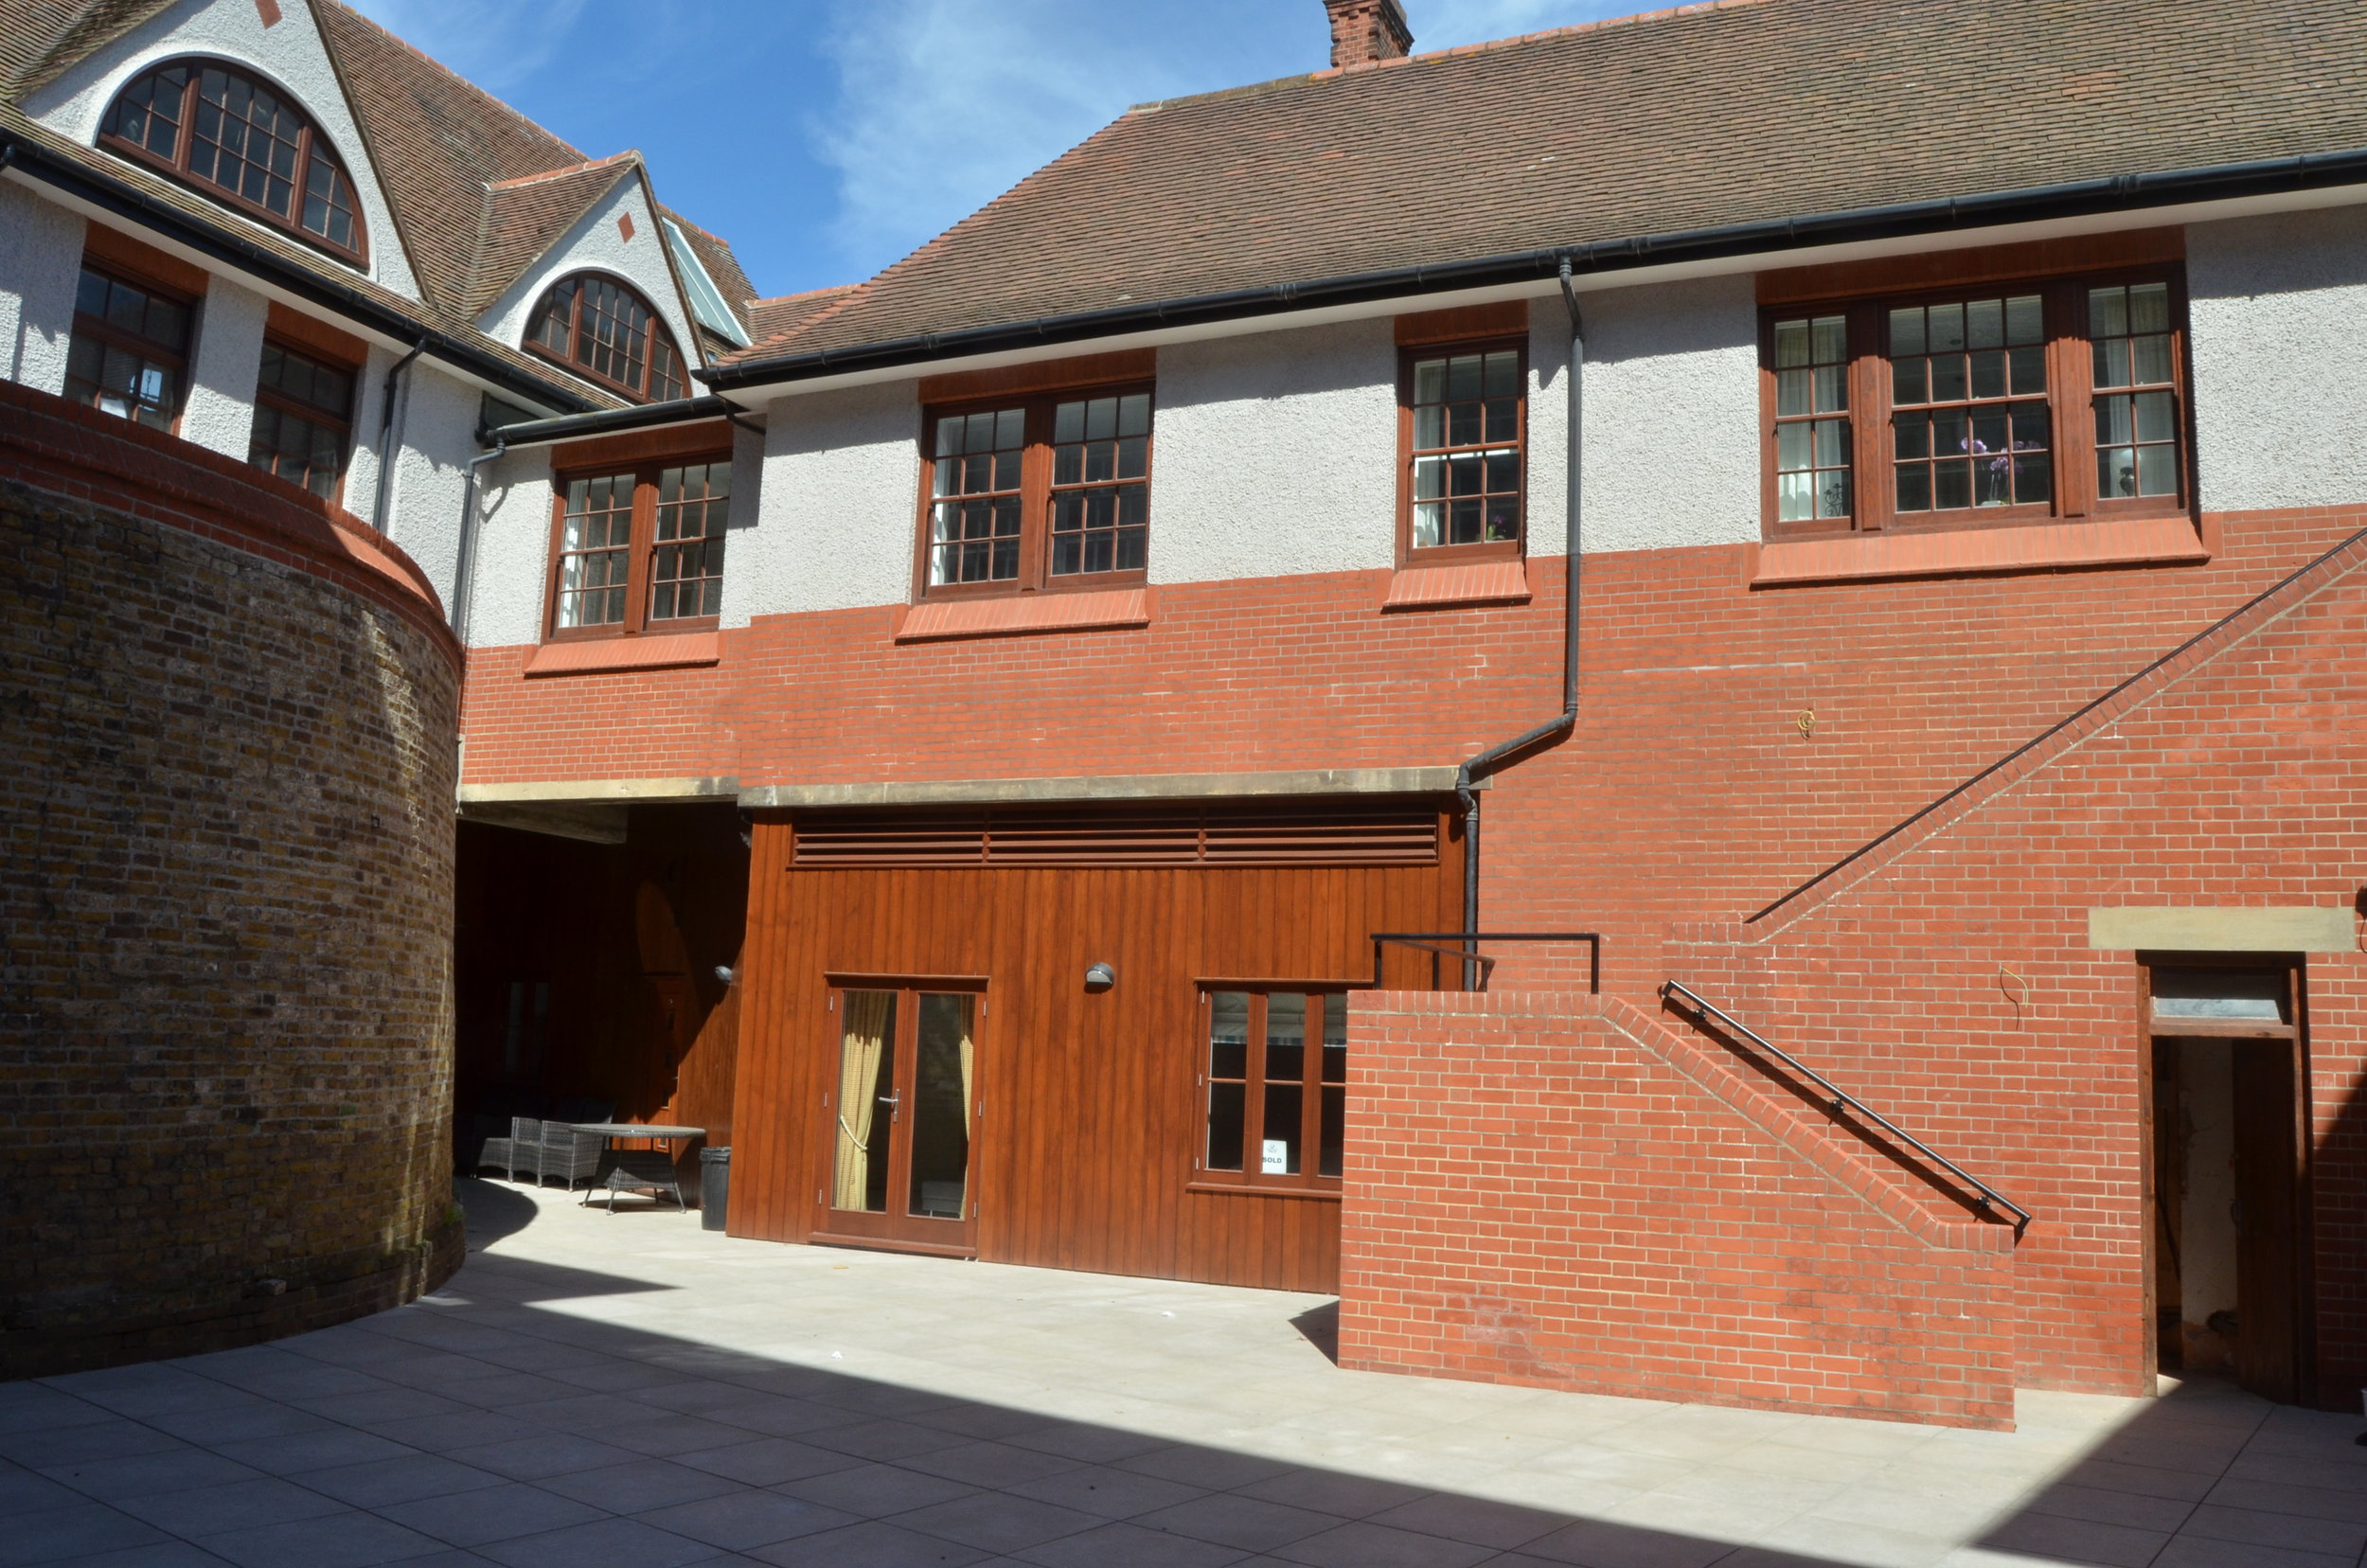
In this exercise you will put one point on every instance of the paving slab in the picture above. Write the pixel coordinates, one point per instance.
(640, 1391)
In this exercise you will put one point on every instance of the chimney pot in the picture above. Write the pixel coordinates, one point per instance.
(1365, 32)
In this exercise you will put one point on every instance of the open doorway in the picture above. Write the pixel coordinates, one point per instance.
(2230, 1170)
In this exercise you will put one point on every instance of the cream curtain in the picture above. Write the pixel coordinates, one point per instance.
(868, 1020)
(970, 1103)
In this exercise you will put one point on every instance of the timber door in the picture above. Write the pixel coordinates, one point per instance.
(2268, 1189)
(901, 1111)
(2231, 1171)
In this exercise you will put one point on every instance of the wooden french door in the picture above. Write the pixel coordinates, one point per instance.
(902, 1107)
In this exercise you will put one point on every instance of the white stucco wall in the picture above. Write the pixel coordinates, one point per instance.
(224, 364)
(41, 260)
(2279, 319)
(1672, 405)
(834, 524)
(513, 551)
(360, 495)
(741, 542)
(1275, 455)
(437, 424)
(597, 244)
(290, 53)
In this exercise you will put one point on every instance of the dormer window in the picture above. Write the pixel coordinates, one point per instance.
(607, 334)
(238, 141)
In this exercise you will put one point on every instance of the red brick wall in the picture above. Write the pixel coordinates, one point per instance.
(1690, 793)
(1559, 1190)
(226, 885)
(1950, 982)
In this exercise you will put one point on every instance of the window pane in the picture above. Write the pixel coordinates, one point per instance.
(1228, 1066)
(1280, 1135)
(1286, 1036)
(1098, 489)
(942, 1066)
(867, 1100)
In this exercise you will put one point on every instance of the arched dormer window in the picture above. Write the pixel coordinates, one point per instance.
(607, 334)
(214, 127)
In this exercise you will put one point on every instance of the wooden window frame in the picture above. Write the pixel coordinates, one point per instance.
(1035, 491)
(1306, 1182)
(102, 331)
(641, 550)
(184, 138)
(2070, 400)
(566, 360)
(1409, 554)
(268, 397)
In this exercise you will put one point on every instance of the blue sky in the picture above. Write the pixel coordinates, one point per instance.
(826, 138)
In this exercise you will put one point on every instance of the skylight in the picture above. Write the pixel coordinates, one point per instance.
(706, 300)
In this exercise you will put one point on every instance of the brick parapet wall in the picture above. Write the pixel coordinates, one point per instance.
(225, 808)
(1560, 1190)
(65, 449)
(1951, 984)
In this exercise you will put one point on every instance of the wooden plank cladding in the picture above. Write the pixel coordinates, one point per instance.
(1089, 1099)
(1165, 835)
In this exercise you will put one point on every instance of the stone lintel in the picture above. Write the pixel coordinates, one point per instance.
(2303, 929)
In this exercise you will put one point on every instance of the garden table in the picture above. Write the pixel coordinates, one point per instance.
(649, 1170)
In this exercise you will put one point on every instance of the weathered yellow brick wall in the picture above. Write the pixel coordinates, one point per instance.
(226, 884)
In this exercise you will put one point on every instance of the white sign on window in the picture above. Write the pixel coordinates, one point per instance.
(1277, 1157)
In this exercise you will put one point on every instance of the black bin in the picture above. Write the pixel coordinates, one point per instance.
(715, 1187)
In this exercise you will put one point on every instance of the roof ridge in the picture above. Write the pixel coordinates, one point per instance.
(802, 293)
(630, 155)
(1331, 73)
(443, 69)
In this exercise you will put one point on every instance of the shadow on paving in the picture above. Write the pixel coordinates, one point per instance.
(2208, 1477)
(483, 1427)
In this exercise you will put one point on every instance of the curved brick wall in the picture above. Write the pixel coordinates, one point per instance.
(225, 846)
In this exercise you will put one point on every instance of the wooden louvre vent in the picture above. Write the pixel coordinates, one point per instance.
(1178, 835)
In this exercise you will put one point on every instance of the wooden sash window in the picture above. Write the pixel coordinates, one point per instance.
(1462, 444)
(214, 127)
(605, 333)
(131, 347)
(1274, 1085)
(303, 418)
(1049, 492)
(640, 549)
(2016, 401)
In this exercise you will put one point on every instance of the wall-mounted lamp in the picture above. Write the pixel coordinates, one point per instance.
(723, 972)
(1099, 977)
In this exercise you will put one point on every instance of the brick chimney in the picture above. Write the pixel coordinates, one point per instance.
(1365, 32)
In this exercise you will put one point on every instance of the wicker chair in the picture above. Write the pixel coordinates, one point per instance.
(649, 1170)
(569, 1154)
(521, 1150)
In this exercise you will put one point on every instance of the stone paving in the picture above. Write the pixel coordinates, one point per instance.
(616, 1392)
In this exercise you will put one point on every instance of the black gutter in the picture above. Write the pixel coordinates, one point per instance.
(609, 422)
(2031, 204)
(1566, 721)
(126, 201)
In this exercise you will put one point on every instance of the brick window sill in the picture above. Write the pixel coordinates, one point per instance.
(2048, 546)
(683, 650)
(948, 620)
(1443, 587)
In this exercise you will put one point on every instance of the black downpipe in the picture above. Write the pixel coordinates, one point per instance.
(1567, 721)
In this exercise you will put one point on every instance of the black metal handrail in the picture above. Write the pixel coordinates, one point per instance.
(1988, 1196)
(1462, 946)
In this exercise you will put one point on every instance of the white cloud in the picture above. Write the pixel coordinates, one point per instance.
(943, 104)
